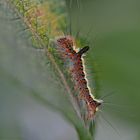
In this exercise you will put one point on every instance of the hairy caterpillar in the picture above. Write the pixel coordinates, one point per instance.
(76, 67)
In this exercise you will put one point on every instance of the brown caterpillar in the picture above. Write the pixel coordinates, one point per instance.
(65, 46)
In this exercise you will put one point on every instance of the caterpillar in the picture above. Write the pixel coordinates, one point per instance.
(65, 47)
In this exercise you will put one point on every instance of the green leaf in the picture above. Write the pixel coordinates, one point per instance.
(27, 72)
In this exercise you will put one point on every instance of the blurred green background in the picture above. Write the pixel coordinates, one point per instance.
(115, 35)
(114, 27)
